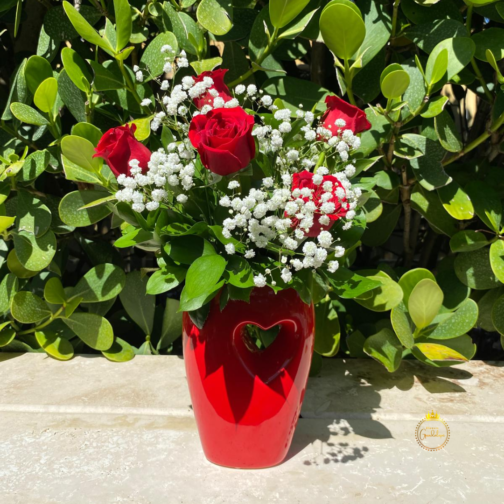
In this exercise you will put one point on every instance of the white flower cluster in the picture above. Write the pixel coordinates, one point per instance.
(167, 172)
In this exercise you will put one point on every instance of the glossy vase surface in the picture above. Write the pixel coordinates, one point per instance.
(247, 401)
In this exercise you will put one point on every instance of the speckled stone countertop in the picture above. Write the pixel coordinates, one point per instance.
(92, 431)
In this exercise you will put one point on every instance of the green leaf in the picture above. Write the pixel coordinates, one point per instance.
(46, 94)
(467, 241)
(485, 307)
(498, 315)
(28, 308)
(122, 12)
(172, 324)
(294, 91)
(186, 249)
(6, 335)
(85, 30)
(71, 204)
(474, 270)
(402, 325)
(76, 69)
(437, 66)
(37, 70)
(487, 203)
(455, 292)
(489, 39)
(435, 107)
(411, 278)
(34, 165)
(120, 351)
(385, 297)
(427, 35)
(87, 131)
(72, 96)
(153, 58)
(349, 285)
(8, 288)
(327, 330)
(459, 323)
(184, 28)
(138, 305)
(378, 232)
(95, 331)
(282, 12)
(202, 280)
(424, 302)
(342, 28)
(460, 52)
(497, 259)
(214, 15)
(35, 253)
(54, 292)
(394, 81)
(104, 80)
(80, 151)
(17, 268)
(32, 215)
(456, 201)
(240, 273)
(55, 345)
(28, 115)
(6, 223)
(385, 348)
(206, 65)
(447, 132)
(101, 283)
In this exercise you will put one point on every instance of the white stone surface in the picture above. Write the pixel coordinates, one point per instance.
(91, 431)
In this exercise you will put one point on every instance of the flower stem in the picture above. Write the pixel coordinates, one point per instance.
(129, 83)
(348, 82)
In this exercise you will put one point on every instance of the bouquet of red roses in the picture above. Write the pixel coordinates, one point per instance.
(243, 191)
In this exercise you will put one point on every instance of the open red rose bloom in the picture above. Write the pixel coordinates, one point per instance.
(305, 179)
(118, 146)
(218, 85)
(223, 138)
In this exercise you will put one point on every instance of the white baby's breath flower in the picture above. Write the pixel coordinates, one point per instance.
(260, 280)
(230, 248)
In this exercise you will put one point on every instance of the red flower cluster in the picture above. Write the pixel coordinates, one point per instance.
(223, 138)
(305, 179)
(337, 108)
(118, 146)
(218, 85)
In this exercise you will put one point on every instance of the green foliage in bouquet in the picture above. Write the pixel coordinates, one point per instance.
(409, 269)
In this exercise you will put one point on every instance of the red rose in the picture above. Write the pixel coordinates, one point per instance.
(118, 146)
(305, 179)
(337, 108)
(223, 138)
(218, 84)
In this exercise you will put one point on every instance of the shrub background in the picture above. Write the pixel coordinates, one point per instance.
(433, 189)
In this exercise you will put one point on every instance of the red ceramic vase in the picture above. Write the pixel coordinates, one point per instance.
(247, 401)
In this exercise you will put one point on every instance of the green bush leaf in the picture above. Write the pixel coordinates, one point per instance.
(31, 214)
(46, 94)
(37, 70)
(153, 58)
(95, 331)
(55, 345)
(8, 288)
(172, 324)
(282, 12)
(122, 12)
(456, 201)
(474, 270)
(459, 349)
(402, 325)
(411, 278)
(138, 304)
(202, 280)
(498, 314)
(424, 302)
(458, 323)
(7, 335)
(80, 151)
(327, 330)
(120, 351)
(394, 81)
(497, 259)
(76, 69)
(28, 115)
(385, 297)
(101, 283)
(385, 348)
(460, 52)
(467, 241)
(489, 39)
(487, 203)
(447, 132)
(214, 15)
(87, 131)
(437, 65)
(35, 253)
(28, 308)
(71, 211)
(54, 292)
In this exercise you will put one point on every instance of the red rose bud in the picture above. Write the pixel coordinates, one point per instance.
(354, 117)
(305, 179)
(218, 84)
(223, 138)
(118, 146)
